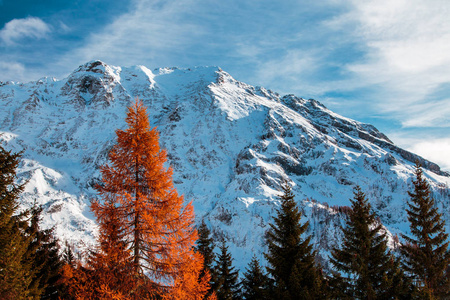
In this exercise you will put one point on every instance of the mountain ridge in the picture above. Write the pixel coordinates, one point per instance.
(231, 145)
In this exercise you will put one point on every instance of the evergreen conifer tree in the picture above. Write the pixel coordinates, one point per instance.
(43, 254)
(426, 254)
(68, 257)
(205, 246)
(363, 254)
(290, 257)
(15, 272)
(30, 266)
(401, 287)
(255, 284)
(226, 277)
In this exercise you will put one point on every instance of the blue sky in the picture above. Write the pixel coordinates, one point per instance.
(384, 62)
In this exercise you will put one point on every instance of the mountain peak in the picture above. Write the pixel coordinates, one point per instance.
(231, 146)
(93, 66)
(91, 84)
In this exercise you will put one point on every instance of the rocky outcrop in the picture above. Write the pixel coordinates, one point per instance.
(231, 147)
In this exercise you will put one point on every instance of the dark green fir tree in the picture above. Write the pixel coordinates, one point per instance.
(401, 286)
(68, 256)
(291, 259)
(426, 255)
(255, 284)
(205, 246)
(226, 277)
(43, 253)
(30, 265)
(363, 255)
(15, 276)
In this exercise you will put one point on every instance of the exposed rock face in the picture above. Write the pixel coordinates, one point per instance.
(231, 146)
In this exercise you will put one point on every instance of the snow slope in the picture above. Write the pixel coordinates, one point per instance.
(231, 146)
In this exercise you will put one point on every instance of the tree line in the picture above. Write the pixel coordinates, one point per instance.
(363, 265)
(148, 246)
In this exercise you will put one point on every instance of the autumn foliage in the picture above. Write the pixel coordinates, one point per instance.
(146, 234)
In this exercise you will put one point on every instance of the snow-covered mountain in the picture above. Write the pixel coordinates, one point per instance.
(231, 146)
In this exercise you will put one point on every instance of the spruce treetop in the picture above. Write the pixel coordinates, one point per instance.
(226, 277)
(363, 255)
(291, 257)
(255, 282)
(426, 255)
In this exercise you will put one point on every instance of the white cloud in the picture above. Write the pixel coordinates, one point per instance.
(289, 70)
(408, 55)
(63, 27)
(434, 149)
(17, 71)
(429, 114)
(17, 29)
(12, 70)
(151, 30)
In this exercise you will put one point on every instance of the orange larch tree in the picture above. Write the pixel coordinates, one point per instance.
(154, 229)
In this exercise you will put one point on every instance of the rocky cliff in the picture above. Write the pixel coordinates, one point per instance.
(231, 146)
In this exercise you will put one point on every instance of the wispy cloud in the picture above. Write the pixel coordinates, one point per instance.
(12, 69)
(382, 60)
(386, 57)
(433, 149)
(408, 55)
(429, 114)
(18, 29)
(240, 37)
(17, 71)
(151, 31)
(293, 68)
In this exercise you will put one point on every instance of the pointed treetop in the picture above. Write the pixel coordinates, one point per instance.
(426, 254)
